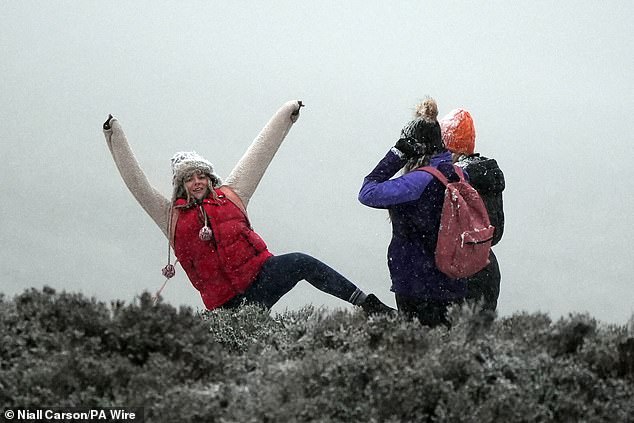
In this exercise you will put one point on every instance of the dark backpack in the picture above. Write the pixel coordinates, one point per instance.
(465, 232)
(488, 179)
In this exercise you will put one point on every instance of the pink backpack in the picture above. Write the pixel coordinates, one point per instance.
(465, 233)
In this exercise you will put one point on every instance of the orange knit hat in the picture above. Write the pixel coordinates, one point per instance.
(458, 132)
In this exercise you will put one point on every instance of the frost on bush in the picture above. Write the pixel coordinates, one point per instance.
(310, 365)
(245, 328)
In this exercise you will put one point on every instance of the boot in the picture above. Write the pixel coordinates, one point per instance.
(372, 305)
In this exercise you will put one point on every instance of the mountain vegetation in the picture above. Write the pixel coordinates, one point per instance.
(249, 365)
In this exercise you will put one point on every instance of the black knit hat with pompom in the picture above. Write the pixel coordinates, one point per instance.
(425, 128)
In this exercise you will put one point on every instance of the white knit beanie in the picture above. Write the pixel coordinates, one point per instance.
(185, 163)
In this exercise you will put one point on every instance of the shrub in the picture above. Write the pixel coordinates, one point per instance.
(311, 364)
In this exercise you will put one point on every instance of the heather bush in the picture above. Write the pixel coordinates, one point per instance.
(64, 349)
(249, 365)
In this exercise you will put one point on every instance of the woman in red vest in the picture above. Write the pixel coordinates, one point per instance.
(207, 225)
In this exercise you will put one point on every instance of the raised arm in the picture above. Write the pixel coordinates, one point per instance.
(248, 172)
(155, 204)
(379, 191)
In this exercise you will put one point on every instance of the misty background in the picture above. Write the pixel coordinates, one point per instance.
(550, 86)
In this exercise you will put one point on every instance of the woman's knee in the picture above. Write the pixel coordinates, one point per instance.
(300, 259)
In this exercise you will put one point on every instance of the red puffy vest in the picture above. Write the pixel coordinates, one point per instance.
(226, 265)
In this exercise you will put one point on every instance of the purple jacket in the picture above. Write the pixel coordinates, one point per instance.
(414, 202)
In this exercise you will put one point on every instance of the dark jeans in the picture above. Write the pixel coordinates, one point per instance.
(485, 286)
(428, 312)
(281, 273)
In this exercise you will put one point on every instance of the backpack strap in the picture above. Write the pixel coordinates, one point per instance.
(440, 176)
(237, 201)
(233, 197)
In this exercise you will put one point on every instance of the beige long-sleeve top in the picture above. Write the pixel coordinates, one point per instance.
(243, 179)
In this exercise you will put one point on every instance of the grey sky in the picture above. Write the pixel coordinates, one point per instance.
(550, 86)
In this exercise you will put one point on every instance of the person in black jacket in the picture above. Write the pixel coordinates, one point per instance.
(458, 133)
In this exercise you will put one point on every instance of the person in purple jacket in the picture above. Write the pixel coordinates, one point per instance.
(414, 202)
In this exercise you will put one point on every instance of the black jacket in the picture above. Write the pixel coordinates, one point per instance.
(487, 178)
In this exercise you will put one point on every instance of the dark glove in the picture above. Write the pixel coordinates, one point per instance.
(106, 124)
(409, 147)
(300, 104)
(295, 114)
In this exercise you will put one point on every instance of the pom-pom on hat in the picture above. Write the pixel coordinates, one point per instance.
(458, 132)
(425, 128)
(185, 163)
